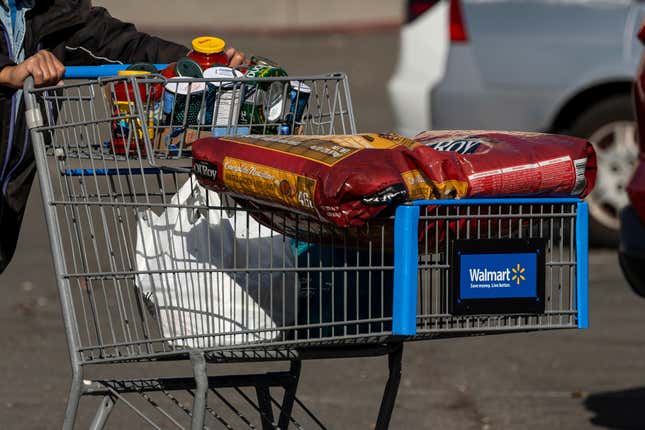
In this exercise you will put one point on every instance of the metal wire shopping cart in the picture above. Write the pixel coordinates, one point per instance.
(109, 163)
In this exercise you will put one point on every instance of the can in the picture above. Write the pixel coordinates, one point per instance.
(271, 93)
(188, 68)
(252, 109)
(262, 71)
(256, 60)
(275, 101)
(224, 99)
(299, 94)
(182, 103)
(143, 67)
(178, 94)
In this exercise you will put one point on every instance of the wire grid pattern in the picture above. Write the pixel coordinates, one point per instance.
(554, 222)
(153, 405)
(239, 301)
(102, 195)
(156, 118)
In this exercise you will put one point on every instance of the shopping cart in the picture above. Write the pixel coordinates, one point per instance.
(107, 169)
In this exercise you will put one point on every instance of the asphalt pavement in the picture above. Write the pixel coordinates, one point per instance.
(551, 380)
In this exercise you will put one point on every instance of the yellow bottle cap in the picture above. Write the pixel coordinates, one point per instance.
(132, 72)
(208, 44)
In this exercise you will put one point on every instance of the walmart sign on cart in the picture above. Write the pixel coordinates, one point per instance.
(498, 276)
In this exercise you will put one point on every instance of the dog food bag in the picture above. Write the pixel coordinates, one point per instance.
(318, 184)
(482, 163)
(342, 179)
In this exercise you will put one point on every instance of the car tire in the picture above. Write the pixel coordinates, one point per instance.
(593, 124)
(634, 272)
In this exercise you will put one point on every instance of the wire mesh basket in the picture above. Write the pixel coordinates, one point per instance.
(152, 266)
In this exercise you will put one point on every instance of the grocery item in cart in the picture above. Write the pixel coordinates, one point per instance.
(252, 110)
(270, 94)
(492, 163)
(264, 71)
(223, 101)
(182, 105)
(127, 133)
(208, 51)
(182, 100)
(344, 179)
(211, 291)
(144, 67)
(263, 61)
(184, 67)
(299, 94)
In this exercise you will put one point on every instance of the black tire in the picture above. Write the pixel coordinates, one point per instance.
(615, 108)
(634, 271)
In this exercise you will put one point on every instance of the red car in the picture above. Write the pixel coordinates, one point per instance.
(632, 230)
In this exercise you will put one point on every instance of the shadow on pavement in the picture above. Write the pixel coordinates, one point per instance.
(622, 410)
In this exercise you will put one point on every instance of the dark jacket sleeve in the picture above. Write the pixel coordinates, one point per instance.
(4, 62)
(103, 39)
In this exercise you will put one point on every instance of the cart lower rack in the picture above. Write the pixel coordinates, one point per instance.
(150, 266)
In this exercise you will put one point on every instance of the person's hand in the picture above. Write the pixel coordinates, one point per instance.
(235, 57)
(43, 66)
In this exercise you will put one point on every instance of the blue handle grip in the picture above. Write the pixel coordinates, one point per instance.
(93, 72)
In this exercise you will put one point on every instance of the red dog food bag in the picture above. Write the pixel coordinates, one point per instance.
(491, 163)
(495, 164)
(320, 183)
(343, 179)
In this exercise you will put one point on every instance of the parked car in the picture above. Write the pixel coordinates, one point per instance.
(557, 66)
(631, 252)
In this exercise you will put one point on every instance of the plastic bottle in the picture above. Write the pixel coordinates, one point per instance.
(208, 51)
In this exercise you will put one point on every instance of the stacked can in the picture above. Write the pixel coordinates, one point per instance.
(223, 101)
(182, 101)
(252, 109)
(265, 101)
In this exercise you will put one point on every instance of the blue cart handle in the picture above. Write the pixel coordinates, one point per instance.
(94, 72)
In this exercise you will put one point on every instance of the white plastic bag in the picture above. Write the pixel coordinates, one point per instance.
(182, 253)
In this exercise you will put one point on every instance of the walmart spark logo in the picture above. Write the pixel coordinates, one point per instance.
(518, 274)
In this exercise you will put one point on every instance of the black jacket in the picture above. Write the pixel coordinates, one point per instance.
(78, 34)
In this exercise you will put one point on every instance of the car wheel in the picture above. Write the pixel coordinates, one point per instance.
(611, 128)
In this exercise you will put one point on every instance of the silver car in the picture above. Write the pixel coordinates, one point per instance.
(563, 66)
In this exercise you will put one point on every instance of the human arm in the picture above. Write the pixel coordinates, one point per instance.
(43, 66)
(104, 38)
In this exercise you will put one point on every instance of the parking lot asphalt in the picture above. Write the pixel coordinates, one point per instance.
(566, 380)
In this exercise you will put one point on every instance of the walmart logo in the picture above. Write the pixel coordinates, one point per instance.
(518, 274)
(515, 274)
